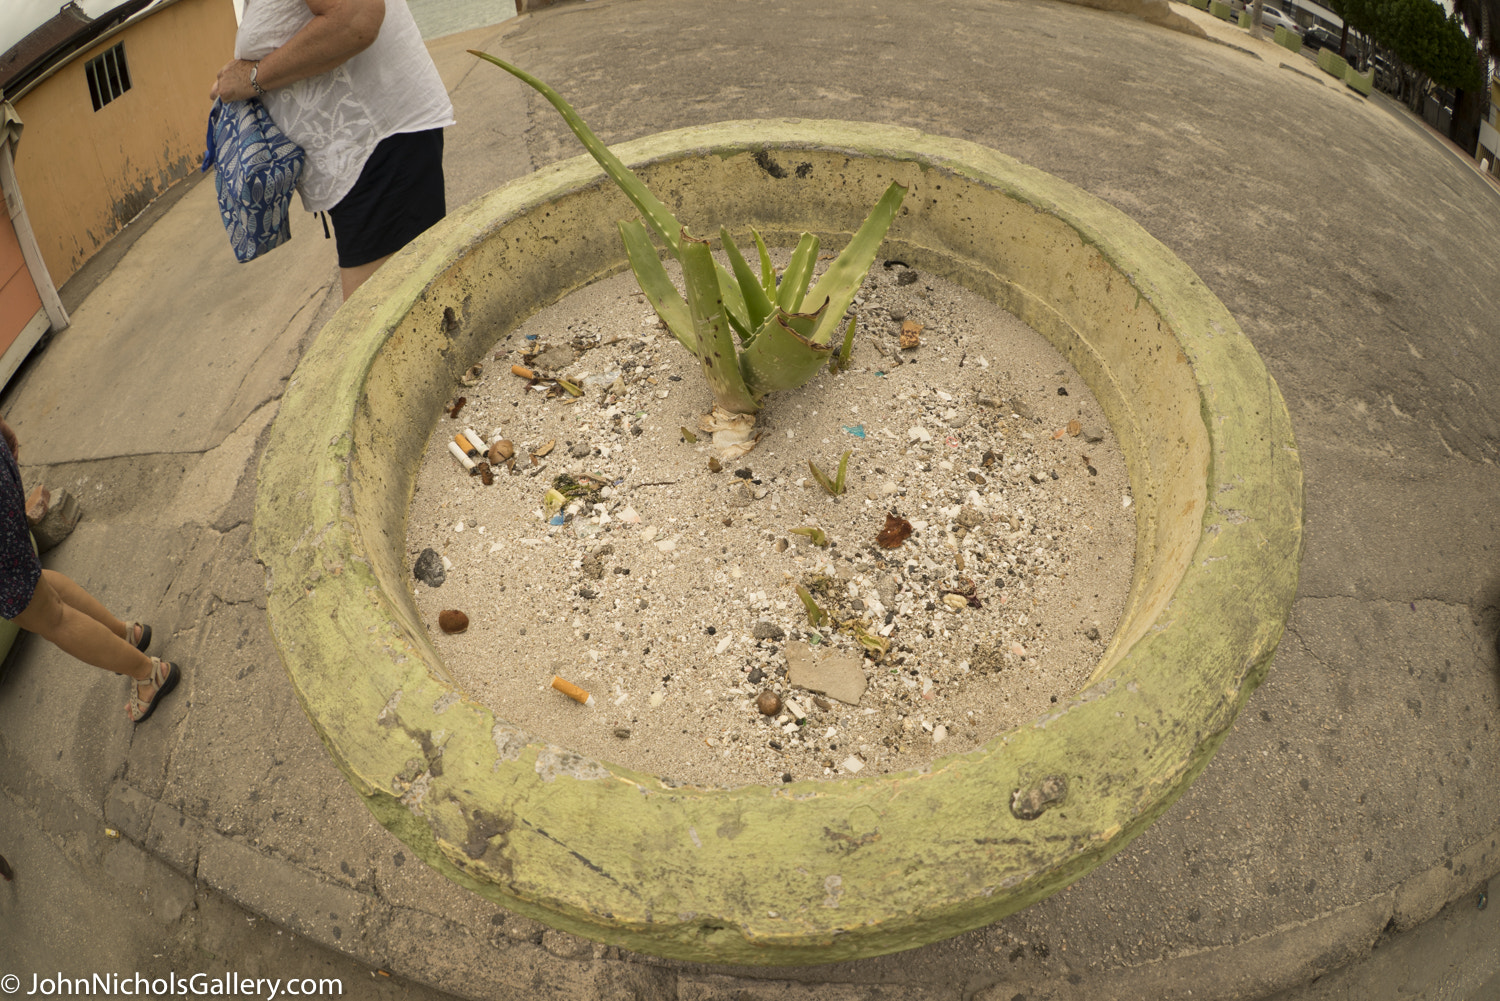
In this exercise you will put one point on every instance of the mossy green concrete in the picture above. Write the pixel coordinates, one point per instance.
(1332, 63)
(1220, 9)
(1362, 82)
(812, 871)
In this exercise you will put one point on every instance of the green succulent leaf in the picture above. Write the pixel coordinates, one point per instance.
(815, 615)
(711, 326)
(767, 269)
(845, 275)
(654, 282)
(798, 274)
(758, 307)
(778, 357)
(817, 535)
(657, 215)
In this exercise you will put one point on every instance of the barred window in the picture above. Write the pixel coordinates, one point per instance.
(108, 77)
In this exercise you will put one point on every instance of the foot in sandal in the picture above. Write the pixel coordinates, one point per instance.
(146, 694)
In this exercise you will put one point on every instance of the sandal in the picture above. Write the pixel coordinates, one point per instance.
(164, 676)
(145, 640)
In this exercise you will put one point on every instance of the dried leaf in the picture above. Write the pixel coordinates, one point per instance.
(1059, 433)
(569, 388)
(689, 437)
(455, 405)
(539, 453)
(1075, 427)
(896, 531)
(714, 465)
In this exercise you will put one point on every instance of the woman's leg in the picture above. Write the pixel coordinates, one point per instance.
(81, 633)
(86, 603)
(353, 278)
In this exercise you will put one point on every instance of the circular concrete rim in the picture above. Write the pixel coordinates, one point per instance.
(812, 871)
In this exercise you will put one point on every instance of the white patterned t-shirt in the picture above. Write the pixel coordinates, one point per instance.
(340, 116)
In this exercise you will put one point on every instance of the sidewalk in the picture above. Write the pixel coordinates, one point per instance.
(1353, 800)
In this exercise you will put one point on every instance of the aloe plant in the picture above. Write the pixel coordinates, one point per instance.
(753, 333)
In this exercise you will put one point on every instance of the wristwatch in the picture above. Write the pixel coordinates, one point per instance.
(254, 81)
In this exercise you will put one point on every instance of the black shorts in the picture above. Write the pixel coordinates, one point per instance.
(399, 194)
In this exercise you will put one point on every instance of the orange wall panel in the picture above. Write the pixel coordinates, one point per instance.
(83, 173)
(18, 296)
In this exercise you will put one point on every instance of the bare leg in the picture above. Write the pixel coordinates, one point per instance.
(86, 603)
(82, 635)
(353, 278)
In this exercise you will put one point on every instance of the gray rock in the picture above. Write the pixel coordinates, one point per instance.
(429, 569)
(768, 631)
(554, 358)
(1019, 408)
(582, 450)
(833, 674)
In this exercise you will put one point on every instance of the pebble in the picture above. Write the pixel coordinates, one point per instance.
(429, 569)
(768, 702)
(764, 630)
(451, 620)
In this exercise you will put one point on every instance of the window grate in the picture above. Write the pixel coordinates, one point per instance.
(107, 75)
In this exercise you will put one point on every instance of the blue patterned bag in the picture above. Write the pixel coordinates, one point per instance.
(257, 170)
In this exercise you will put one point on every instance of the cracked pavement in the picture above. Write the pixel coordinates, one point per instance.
(1339, 840)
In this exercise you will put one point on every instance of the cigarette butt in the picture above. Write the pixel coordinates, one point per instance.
(458, 454)
(522, 371)
(572, 691)
(466, 446)
(477, 440)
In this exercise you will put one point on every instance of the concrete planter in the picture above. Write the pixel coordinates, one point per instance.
(813, 871)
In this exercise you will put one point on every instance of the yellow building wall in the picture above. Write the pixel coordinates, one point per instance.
(83, 173)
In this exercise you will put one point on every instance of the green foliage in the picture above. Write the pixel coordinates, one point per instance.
(1421, 34)
(781, 344)
(835, 486)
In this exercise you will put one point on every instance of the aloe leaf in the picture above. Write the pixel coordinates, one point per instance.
(757, 305)
(734, 303)
(657, 215)
(779, 357)
(711, 325)
(848, 347)
(822, 478)
(767, 269)
(813, 532)
(798, 273)
(838, 482)
(815, 615)
(845, 275)
(655, 283)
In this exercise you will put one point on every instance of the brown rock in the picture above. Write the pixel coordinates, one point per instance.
(451, 620)
(769, 703)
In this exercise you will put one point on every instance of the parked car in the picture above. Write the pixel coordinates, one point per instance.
(1318, 37)
(1270, 17)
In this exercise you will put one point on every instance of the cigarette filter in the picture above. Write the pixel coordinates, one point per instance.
(466, 445)
(480, 445)
(460, 455)
(572, 691)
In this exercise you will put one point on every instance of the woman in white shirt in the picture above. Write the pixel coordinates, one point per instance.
(352, 84)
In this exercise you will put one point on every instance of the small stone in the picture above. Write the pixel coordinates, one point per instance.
(755, 676)
(582, 450)
(451, 620)
(768, 702)
(429, 569)
(1092, 434)
(1062, 390)
(764, 630)
(939, 734)
(918, 433)
(593, 568)
(833, 674)
(911, 335)
(822, 703)
(1092, 633)
(554, 358)
(969, 517)
(1019, 408)
(955, 602)
(906, 277)
(622, 732)
(852, 764)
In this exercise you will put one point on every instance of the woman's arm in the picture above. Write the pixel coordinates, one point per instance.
(339, 30)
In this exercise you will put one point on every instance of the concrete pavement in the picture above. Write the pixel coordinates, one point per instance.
(1348, 819)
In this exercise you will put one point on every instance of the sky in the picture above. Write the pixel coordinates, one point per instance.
(18, 18)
